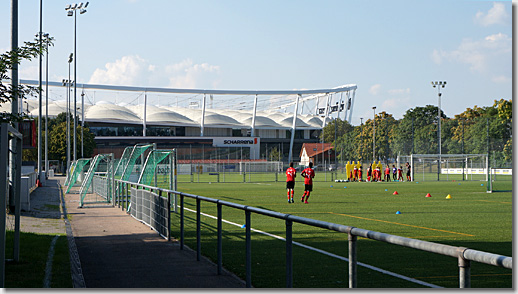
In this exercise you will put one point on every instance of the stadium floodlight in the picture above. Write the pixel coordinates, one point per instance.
(440, 84)
(73, 12)
(68, 7)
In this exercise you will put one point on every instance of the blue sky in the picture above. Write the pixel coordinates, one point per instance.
(391, 49)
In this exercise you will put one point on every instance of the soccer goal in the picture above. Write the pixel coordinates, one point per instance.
(97, 186)
(447, 167)
(500, 180)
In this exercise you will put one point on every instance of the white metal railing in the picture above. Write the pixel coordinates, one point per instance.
(463, 255)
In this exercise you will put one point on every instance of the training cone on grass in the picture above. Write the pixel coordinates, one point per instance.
(398, 212)
(395, 193)
(428, 195)
(448, 197)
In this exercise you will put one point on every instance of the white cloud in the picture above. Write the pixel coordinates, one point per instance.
(375, 89)
(501, 79)
(186, 74)
(395, 105)
(496, 15)
(133, 70)
(488, 56)
(399, 91)
(129, 70)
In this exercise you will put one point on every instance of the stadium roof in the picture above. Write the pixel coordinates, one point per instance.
(175, 116)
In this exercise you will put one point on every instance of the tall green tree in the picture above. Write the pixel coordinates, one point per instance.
(58, 139)
(417, 131)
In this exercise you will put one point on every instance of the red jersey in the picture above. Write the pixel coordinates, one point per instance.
(308, 175)
(387, 171)
(291, 173)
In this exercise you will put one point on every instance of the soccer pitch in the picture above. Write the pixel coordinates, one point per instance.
(472, 218)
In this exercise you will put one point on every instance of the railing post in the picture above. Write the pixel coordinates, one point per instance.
(198, 229)
(169, 216)
(127, 196)
(289, 254)
(464, 270)
(181, 222)
(352, 260)
(220, 240)
(248, 250)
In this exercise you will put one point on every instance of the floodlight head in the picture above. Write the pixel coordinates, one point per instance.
(80, 5)
(46, 35)
(374, 107)
(70, 13)
(82, 11)
(71, 57)
(74, 6)
(64, 82)
(86, 4)
(68, 7)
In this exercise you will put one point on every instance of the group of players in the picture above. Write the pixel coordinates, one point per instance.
(375, 174)
(354, 172)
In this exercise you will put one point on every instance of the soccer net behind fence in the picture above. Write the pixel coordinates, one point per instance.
(500, 180)
(447, 167)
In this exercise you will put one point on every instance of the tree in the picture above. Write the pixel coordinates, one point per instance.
(58, 141)
(336, 128)
(8, 61)
(417, 131)
(274, 154)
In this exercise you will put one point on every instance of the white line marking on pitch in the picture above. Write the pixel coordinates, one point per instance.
(48, 267)
(328, 253)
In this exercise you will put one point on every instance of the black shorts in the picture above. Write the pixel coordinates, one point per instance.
(408, 173)
(290, 184)
(308, 187)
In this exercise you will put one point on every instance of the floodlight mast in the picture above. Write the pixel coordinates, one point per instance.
(439, 85)
(72, 11)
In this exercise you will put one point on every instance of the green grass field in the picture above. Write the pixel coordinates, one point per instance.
(472, 218)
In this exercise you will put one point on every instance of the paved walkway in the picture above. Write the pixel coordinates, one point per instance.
(117, 251)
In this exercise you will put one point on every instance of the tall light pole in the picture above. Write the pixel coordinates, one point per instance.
(40, 88)
(374, 136)
(67, 83)
(439, 85)
(46, 35)
(361, 139)
(72, 11)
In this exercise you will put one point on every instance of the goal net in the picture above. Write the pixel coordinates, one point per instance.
(447, 167)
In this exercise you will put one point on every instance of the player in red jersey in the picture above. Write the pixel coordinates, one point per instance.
(291, 173)
(355, 174)
(387, 174)
(400, 174)
(308, 175)
(360, 174)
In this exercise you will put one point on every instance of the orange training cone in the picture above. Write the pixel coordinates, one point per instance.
(395, 193)
(38, 183)
(428, 195)
(448, 197)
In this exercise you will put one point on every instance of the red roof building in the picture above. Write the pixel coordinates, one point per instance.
(318, 153)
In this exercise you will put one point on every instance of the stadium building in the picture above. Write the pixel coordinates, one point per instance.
(201, 124)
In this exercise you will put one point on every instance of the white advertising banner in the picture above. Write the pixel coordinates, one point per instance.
(253, 143)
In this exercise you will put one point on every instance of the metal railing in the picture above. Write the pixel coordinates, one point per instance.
(463, 255)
